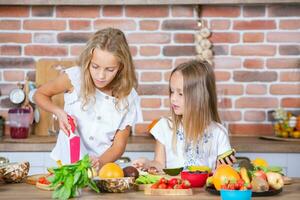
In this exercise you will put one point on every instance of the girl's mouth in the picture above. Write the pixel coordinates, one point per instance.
(175, 107)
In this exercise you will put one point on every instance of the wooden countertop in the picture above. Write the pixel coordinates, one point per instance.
(25, 191)
(146, 144)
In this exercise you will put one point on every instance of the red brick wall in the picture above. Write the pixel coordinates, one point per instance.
(256, 52)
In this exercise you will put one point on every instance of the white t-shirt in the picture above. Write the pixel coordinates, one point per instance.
(98, 123)
(214, 142)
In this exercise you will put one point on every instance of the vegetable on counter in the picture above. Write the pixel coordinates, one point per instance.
(147, 179)
(67, 180)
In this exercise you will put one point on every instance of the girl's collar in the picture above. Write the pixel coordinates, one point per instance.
(103, 94)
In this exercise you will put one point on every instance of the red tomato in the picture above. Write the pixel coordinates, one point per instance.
(170, 187)
(163, 180)
(173, 182)
(162, 186)
(155, 186)
(185, 184)
(178, 186)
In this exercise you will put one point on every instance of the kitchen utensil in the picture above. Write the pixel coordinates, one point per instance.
(17, 96)
(19, 120)
(74, 141)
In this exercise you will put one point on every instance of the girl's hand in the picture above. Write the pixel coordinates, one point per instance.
(140, 163)
(64, 124)
(96, 163)
(229, 160)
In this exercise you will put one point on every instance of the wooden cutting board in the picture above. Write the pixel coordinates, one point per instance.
(164, 192)
(32, 180)
(47, 70)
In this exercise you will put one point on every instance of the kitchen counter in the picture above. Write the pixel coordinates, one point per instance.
(25, 191)
(146, 144)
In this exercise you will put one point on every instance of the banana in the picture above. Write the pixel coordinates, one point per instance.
(199, 168)
(244, 175)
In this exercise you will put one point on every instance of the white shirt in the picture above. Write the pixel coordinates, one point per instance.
(214, 142)
(98, 123)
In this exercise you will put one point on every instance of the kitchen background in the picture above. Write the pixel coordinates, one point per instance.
(256, 52)
(256, 60)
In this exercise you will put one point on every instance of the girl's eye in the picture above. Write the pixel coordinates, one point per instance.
(171, 92)
(180, 94)
(110, 69)
(94, 66)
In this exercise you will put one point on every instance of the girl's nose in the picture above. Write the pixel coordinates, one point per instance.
(101, 74)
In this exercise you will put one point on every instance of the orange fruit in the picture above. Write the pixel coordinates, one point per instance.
(260, 162)
(111, 170)
(223, 174)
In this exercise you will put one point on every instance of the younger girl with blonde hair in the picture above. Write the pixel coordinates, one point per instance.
(194, 135)
(100, 96)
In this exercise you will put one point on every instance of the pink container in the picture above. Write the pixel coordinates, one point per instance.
(19, 122)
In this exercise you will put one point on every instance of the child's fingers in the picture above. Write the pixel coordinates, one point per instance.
(233, 158)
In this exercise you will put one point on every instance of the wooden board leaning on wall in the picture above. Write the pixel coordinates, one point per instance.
(47, 70)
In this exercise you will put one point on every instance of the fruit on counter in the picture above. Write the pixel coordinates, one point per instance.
(259, 184)
(223, 173)
(260, 173)
(130, 171)
(244, 175)
(174, 183)
(298, 123)
(275, 180)
(236, 185)
(226, 154)
(111, 170)
(199, 168)
(295, 134)
(260, 162)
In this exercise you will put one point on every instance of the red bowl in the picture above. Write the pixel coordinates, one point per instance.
(195, 178)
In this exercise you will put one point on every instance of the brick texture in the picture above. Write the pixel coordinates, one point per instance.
(256, 52)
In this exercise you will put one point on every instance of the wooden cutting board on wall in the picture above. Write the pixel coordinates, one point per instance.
(47, 70)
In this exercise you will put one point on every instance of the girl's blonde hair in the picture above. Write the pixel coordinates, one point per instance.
(114, 41)
(200, 100)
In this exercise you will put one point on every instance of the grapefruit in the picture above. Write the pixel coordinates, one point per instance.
(111, 170)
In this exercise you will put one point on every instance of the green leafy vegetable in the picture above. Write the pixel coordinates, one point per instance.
(147, 179)
(68, 180)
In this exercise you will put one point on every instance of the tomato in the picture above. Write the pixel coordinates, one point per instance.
(178, 186)
(163, 180)
(162, 186)
(155, 186)
(173, 182)
(185, 184)
(170, 187)
(43, 180)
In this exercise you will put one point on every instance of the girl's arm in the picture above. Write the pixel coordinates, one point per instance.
(43, 95)
(159, 158)
(115, 151)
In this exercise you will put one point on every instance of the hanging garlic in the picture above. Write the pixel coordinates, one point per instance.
(207, 54)
(199, 57)
(199, 37)
(205, 44)
(205, 32)
(199, 49)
